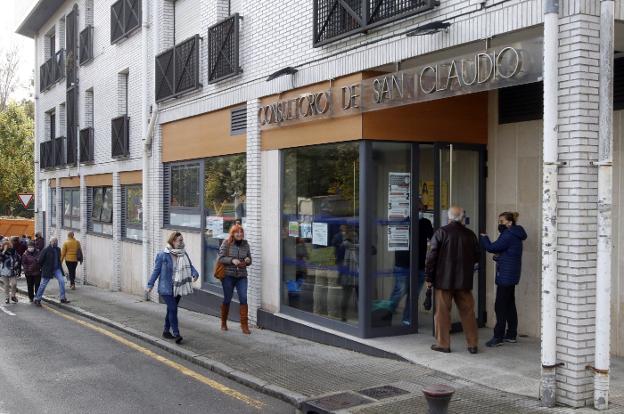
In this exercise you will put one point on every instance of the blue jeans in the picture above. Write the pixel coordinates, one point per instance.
(58, 275)
(401, 288)
(229, 283)
(171, 318)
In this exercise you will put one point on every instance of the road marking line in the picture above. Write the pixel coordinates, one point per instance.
(5, 310)
(178, 367)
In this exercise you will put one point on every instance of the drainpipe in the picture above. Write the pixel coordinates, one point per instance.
(549, 204)
(605, 188)
(147, 125)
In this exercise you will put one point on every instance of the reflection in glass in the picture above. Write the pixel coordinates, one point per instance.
(184, 197)
(134, 212)
(320, 227)
(53, 207)
(225, 182)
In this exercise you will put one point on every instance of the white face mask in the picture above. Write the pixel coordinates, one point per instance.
(31, 249)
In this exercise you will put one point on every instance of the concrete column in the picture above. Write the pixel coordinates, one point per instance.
(253, 221)
(84, 217)
(116, 275)
(579, 39)
(59, 209)
(156, 201)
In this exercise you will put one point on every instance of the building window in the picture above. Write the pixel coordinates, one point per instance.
(102, 210)
(53, 207)
(71, 208)
(320, 229)
(225, 182)
(182, 194)
(125, 19)
(132, 208)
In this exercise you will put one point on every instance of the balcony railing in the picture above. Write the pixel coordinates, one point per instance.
(86, 45)
(177, 69)
(125, 19)
(60, 158)
(46, 155)
(52, 71)
(337, 19)
(223, 49)
(120, 131)
(86, 145)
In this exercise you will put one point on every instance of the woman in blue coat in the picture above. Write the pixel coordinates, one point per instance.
(507, 251)
(175, 272)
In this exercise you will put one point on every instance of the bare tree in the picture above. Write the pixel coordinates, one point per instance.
(9, 61)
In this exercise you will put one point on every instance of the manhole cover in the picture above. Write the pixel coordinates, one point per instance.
(385, 391)
(334, 402)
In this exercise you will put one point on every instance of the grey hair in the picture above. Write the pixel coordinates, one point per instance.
(457, 214)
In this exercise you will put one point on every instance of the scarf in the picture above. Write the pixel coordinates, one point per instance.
(182, 278)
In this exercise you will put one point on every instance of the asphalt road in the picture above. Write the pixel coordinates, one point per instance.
(55, 362)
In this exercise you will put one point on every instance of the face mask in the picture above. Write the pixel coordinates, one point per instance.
(421, 214)
(181, 245)
(501, 228)
(31, 249)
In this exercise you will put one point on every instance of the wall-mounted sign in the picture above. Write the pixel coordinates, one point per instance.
(515, 64)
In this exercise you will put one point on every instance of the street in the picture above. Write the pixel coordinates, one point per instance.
(55, 362)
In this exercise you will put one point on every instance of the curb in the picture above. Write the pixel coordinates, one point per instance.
(243, 378)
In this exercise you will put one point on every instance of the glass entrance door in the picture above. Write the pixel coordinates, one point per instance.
(460, 181)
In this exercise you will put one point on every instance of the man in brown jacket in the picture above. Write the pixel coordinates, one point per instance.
(450, 269)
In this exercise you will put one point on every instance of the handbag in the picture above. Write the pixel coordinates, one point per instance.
(427, 302)
(219, 270)
(79, 255)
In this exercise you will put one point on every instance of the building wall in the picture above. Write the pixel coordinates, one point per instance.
(131, 268)
(98, 259)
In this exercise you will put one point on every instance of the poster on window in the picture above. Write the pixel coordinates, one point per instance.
(293, 229)
(319, 234)
(305, 229)
(398, 196)
(398, 238)
(214, 226)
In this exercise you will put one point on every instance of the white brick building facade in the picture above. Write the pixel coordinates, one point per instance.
(275, 35)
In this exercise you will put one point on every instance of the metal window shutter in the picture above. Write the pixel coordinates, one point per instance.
(89, 208)
(124, 206)
(521, 103)
(618, 84)
(166, 193)
(238, 121)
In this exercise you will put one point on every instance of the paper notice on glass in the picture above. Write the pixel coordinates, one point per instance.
(214, 225)
(305, 229)
(398, 196)
(398, 238)
(319, 234)
(293, 229)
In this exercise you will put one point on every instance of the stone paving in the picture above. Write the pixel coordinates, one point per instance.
(305, 369)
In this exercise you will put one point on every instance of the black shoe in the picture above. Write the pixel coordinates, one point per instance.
(494, 342)
(31, 300)
(178, 339)
(37, 302)
(473, 350)
(65, 301)
(438, 348)
(14, 299)
(7, 301)
(167, 335)
(511, 339)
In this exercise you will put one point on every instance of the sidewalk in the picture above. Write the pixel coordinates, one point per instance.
(294, 369)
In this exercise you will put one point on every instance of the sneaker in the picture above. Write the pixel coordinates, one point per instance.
(65, 301)
(494, 342)
(511, 340)
(178, 339)
(167, 335)
(37, 302)
(14, 299)
(7, 301)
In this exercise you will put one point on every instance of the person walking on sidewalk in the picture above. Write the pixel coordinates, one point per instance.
(30, 264)
(235, 255)
(10, 270)
(449, 267)
(50, 263)
(508, 255)
(175, 272)
(39, 242)
(71, 254)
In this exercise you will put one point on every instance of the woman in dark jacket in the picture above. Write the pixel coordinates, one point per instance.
(32, 270)
(10, 270)
(235, 255)
(507, 251)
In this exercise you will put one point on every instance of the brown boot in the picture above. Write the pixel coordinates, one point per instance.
(244, 319)
(225, 309)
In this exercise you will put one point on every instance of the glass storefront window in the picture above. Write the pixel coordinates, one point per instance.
(102, 210)
(225, 182)
(133, 226)
(320, 229)
(71, 208)
(184, 195)
(53, 207)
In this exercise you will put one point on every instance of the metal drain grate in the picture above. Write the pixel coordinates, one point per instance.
(335, 402)
(383, 392)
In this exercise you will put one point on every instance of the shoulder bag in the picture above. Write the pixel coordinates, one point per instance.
(219, 270)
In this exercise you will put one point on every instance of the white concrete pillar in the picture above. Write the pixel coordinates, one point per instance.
(253, 221)
(116, 275)
(84, 219)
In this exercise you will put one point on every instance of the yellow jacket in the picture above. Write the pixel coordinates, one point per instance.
(70, 250)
